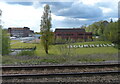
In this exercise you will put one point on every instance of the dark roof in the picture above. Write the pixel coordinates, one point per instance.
(18, 28)
(70, 30)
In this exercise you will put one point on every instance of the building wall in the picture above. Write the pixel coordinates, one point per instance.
(73, 34)
(19, 32)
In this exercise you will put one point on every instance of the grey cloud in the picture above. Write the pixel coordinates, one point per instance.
(112, 5)
(73, 22)
(55, 6)
(74, 10)
(80, 11)
(103, 4)
(112, 14)
(21, 3)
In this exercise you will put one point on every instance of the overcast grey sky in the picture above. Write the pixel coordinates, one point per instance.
(64, 14)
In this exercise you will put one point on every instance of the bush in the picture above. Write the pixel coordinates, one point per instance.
(60, 40)
(117, 46)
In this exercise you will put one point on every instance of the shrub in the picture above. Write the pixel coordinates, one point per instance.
(117, 46)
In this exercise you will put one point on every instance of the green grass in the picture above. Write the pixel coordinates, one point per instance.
(28, 53)
(100, 50)
(14, 41)
(19, 44)
(94, 42)
(60, 54)
(9, 60)
(62, 50)
(58, 59)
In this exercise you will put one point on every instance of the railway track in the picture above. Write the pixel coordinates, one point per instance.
(62, 72)
(59, 66)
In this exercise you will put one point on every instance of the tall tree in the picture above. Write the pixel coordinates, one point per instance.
(4, 40)
(5, 43)
(111, 32)
(97, 28)
(0, 15)
(111, 20)
(45, 28)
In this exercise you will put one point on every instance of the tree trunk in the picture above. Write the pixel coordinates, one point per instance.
(46, 47)
(46, 51)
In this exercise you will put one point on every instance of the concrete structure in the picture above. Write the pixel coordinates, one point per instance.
(20, 32)
(74, 33)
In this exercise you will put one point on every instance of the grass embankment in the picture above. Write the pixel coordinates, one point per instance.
(62, 50)
(61, 54)
(18, 44)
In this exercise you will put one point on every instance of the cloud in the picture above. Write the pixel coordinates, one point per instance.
(89, 2)
(86, 9)
(19, 16)
(74, 9)
(21, 3)
(64, 14)
(107, 3)
(80, 10)
(109, 7)
(72, 22)
(55, 6)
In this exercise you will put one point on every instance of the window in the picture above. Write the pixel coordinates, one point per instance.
(89, 34)
(59, 34)
(69, 34)
(81, 34)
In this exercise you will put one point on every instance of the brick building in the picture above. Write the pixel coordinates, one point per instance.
(20, 32)
(75, 33)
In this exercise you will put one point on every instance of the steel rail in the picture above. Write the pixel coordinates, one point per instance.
(59, 66)
(60, 74)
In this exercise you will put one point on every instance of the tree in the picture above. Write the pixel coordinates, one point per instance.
(5, 42)
(98, 28)
(111, 32)
(0, 12)
(111, 20)
(45, 28)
